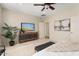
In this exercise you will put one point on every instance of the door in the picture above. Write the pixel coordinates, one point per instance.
(47, 30)
(41, 30)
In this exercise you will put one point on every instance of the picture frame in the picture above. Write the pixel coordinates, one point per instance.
(62, 25)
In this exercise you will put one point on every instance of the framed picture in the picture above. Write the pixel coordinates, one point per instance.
(57, 25)
(62, 25)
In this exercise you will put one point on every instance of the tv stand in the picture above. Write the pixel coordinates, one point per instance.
(28, 36)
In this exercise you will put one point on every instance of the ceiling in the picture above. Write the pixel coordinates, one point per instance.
(28, 8)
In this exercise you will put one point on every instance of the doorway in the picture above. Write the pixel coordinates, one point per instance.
(43, 30)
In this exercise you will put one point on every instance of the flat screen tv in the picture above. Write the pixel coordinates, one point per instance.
(28, 26)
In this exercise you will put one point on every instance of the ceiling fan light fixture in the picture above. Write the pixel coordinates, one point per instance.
(46, 6)
(43, 15)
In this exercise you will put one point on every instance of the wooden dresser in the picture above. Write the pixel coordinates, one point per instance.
(28, 36)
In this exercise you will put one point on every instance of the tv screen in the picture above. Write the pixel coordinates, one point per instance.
(28, 26)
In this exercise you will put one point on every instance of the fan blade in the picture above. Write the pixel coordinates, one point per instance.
(38, 4)
(52, 8)
(49, 3)
(43, 8)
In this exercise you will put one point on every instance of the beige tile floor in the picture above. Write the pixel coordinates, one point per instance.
(24, 49)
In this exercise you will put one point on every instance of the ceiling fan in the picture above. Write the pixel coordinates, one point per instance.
(46, 4)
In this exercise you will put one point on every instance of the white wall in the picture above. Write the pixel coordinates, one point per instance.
(59, 36)
(75, 29)
(0, 22)
(14, 18)
(75, 26)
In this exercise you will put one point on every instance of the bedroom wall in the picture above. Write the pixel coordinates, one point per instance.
(59, 36)
(75, 26)
(0, 22)
(14, 18)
